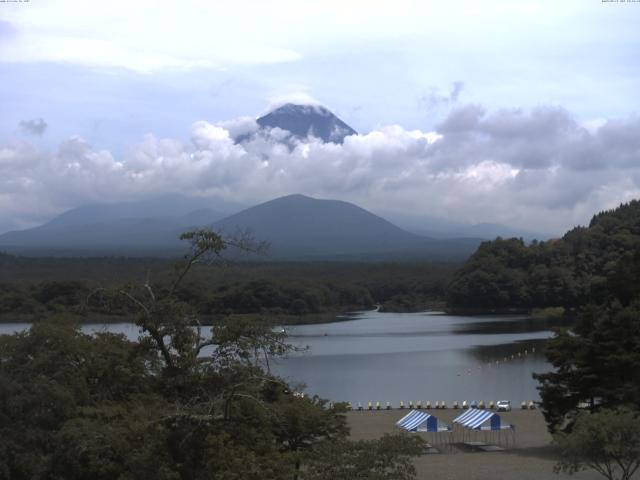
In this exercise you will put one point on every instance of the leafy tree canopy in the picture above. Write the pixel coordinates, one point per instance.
(607, 442)
(595, 363)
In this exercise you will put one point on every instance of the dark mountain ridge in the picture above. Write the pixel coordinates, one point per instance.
(301, 227)
(159, 207)
(112, 237)
(297, 227)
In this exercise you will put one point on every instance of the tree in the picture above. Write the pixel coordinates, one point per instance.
(301, 423)
(386, 459)
(77, 406)
(607, 441)
(178, 404)
(595, 363)
(165, 319)
(52, 375)
(567, 272)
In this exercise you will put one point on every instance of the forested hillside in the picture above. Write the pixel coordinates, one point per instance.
(507, 274)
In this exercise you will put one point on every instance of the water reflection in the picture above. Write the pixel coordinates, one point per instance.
(508, 351)
(509, 325)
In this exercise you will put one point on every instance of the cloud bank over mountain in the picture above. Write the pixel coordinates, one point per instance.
(530, 168)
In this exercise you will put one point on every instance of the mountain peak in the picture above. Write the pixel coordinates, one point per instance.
(301, 109)
(301, 227)
(294, 197)
(304, 120)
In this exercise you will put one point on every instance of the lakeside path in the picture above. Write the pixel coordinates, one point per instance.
(532, 457)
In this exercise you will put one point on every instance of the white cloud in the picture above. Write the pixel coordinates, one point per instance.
(29, 48)
(159, 34)
(534, 169)
(299, 98)
(240, 126)
(144, 38)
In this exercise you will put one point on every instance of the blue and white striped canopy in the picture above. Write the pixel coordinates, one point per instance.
(474, 418)
(416, 419)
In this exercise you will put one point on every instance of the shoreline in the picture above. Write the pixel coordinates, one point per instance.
(285, 319)
(307, 319)
(274, 319)
(532, 457)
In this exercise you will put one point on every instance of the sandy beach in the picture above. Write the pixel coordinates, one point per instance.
(532, 457)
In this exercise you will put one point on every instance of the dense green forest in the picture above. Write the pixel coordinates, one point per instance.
(568, 272)
(34, 288)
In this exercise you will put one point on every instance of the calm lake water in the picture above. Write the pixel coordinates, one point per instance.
(384, 357)
(422, 356)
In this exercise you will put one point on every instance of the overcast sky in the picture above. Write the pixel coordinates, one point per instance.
(524, 113)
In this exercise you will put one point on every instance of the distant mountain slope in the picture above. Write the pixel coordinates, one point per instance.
(300, 226)
(120, 236)
(305, 120)
(144, 227)
(437, 227)
(491, 231)
(163, 206)
(297, 227)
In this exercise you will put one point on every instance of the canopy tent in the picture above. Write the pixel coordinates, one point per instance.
(417, 421)
(420, 421)
(475, 419)
(487, 422)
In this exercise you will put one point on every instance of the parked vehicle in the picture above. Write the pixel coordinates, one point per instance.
(503, 406)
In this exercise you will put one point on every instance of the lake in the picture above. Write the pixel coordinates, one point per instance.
(419, 356)
(373, 356)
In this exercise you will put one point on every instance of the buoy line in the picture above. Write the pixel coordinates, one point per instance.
(516, 356)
